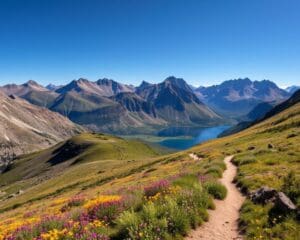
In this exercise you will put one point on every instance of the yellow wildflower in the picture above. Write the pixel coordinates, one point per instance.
(101, 199)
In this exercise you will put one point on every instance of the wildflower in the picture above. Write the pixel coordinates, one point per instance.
(101, 199)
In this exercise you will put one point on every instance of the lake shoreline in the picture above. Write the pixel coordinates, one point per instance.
(183, 138)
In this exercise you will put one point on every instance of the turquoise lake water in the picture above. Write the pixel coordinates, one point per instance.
(197, 136)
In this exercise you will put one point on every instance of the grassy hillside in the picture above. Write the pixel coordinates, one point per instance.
(266, 154)
(103, 166)
(80, 159)
(138, 188)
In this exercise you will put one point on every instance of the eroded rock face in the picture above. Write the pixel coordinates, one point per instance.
(25, 128)
(263, 195)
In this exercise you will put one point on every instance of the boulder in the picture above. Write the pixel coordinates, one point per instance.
(270, 145)
(20, 192)
(251, 147)
(284, 204)
(263, 195)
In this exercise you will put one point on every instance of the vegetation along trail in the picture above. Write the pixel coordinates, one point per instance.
(222, 222)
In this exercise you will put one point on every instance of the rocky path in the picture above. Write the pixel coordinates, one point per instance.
(222, 222)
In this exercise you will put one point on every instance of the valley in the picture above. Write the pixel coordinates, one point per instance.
(95, 170)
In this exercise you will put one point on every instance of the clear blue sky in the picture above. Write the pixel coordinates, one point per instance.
(203, 41)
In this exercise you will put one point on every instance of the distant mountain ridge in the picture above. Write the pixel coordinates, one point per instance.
(276, 109)
(235, 98)
(32, 92)
(108, 106)
(103, 87)
(292, 89)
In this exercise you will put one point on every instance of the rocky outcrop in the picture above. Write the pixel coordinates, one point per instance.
(266, 195)
(263, 195)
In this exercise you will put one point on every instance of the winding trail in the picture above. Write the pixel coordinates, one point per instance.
(222, 224)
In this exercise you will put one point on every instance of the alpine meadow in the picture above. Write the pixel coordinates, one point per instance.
(149, 120)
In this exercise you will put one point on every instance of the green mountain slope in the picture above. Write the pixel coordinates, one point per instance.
(83, 156)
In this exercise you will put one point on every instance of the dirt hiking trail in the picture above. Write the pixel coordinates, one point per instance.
(222, 222)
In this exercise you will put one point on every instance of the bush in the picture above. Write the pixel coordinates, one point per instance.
(217, 190)
(219, 164)
(156, 187)
(73, 202)
(107, 211)
(188, 182)
(142, 225)
(291, 186)
(247, 161)
(214, 171)
(271, 162)
(177, 219)
(194, 202)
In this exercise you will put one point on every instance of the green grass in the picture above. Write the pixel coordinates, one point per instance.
(216, 189)
(101, 156)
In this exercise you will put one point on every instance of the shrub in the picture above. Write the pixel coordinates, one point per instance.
(177, 219)
(291, 186)
(188, 182)
(107, 211)
(194, 202)
(73, 202)
(219, 164)
(247, 161)
(271, 162)
(217, 190)
(214, 171)
(156, 187)
(142, 225)
(133, 200)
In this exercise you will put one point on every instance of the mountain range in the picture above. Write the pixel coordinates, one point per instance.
(109, 106)
(236, 98)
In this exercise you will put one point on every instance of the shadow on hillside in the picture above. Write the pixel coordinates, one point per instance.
(67, 151)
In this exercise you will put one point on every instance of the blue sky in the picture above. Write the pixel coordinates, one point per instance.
(203, 41)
